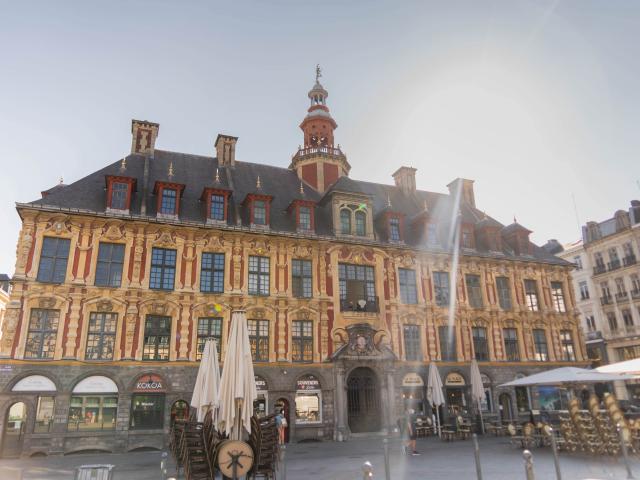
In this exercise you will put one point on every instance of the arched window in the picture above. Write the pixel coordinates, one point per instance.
(345, 221)
(361, 223)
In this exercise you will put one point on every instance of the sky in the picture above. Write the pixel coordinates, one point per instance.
(536, 101)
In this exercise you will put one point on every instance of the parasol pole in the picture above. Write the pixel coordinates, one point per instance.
(438, 419)
(481, 419)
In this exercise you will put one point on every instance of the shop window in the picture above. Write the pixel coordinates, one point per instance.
(540, 345)
(93, 412)
(566, 343)
(557, 297)
(43, 331)
(212, 273)
(259, 339)
(531, 295)
(260, 403)
(412, 350)
(504, 292)
(511, 350)
(44, 414)
(474, 291)
(163, 269)
(109, 266)
(147, 411)
(101, 337)
(522, 399)
(357, 288)
(480, 345)
(301, 277)
(302, 340)
(308, 400)
(53, 260)
(441, 288)
(447, 337)
(179, 411)
(209, 328)
(408, 288)
(258, 275)
(157, 333)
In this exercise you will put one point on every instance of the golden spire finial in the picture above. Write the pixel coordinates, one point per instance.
(217, 175)
(170, 170)
(258, 183)
(123, 164)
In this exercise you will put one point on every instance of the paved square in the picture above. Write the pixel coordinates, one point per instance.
(343, 461)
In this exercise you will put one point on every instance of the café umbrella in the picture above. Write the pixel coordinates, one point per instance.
(631, 367)
(434, 392)
(477, 389)
(567, 376)
(238, 385)
(206, 388)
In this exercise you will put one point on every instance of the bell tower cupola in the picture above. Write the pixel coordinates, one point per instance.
(319, 162)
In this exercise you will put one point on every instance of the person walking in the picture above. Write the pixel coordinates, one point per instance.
(410, 433)
(281, 424)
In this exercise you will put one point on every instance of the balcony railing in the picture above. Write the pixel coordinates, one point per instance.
(597, 335)
(613, 265)
(629, 260)
(608, 300)
(330, 151)
(635, 294)
(598, 269)
(365, 305)
(622, 297)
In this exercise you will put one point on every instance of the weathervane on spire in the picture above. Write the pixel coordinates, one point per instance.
(318, 72)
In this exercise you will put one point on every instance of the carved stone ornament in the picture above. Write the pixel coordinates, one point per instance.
(159, 308)
(165, 238)
(302, 251)
(113, 231)
(258, 313)
(24, 246)
(361, 340)
(260, 246)
(47, 302)
(104, 306)
(59, 225)
(405, 260)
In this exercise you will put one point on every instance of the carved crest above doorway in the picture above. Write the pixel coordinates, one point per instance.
(361, 341)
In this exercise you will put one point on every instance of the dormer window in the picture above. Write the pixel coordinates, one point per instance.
(304, 218)
(168, 198)
(303, 212)
(345, 221)
(432, 234)
(216, 201)
(467, 240)
(361, 223)
(119, 193)
(259, 212)
(394, 229)
(216, 207)
(259, 209)
(168, 201)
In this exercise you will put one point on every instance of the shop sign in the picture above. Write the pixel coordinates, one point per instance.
(308, 382)
(34, 383)
(454, 380)
(96, 384)
(412, 380)
(149, 383)
(261, 384)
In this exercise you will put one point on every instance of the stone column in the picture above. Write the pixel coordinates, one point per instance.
(391, 399)
(281, 334)
(340, 405)
(74, 323)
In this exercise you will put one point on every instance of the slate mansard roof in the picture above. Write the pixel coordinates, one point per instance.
(88, 195)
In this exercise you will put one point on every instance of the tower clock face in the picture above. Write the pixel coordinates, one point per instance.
(318, 141)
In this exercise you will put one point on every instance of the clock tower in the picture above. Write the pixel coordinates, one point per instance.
(319, 162)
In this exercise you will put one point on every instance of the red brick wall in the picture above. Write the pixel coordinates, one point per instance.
(330, 175)
(310, 174)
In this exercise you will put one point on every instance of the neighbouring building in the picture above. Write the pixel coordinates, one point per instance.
(606, 280)
(122, 276)
(5, 286)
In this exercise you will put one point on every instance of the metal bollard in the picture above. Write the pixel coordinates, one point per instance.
(625, 453)
(556, 459)
(387, 468)
(367, 471)
(476, 450)
(528, 465)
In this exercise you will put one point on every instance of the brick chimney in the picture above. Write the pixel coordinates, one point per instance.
(405, 178)
(143, 136)
(466, 195)
(226, 150)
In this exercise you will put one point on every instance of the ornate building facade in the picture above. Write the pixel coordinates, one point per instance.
(122, 275)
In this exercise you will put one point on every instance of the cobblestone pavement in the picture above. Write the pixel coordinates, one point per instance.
(343, 461)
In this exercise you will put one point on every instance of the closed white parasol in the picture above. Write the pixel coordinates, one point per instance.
(206, 389)
(238, 385)
(477, 389)
(434, 392)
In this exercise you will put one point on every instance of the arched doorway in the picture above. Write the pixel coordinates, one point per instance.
(363, 401)
(283, 404)
(506, 411)
(14, 428)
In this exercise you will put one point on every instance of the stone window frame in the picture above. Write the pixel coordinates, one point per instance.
(55, 258)
(108, 305)
(42, 332)
(353, 203)
(416, 283)
(416, 342)
(212, 271)
(302, 278)
(303, 339)
(558, 299)
(110, 263)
